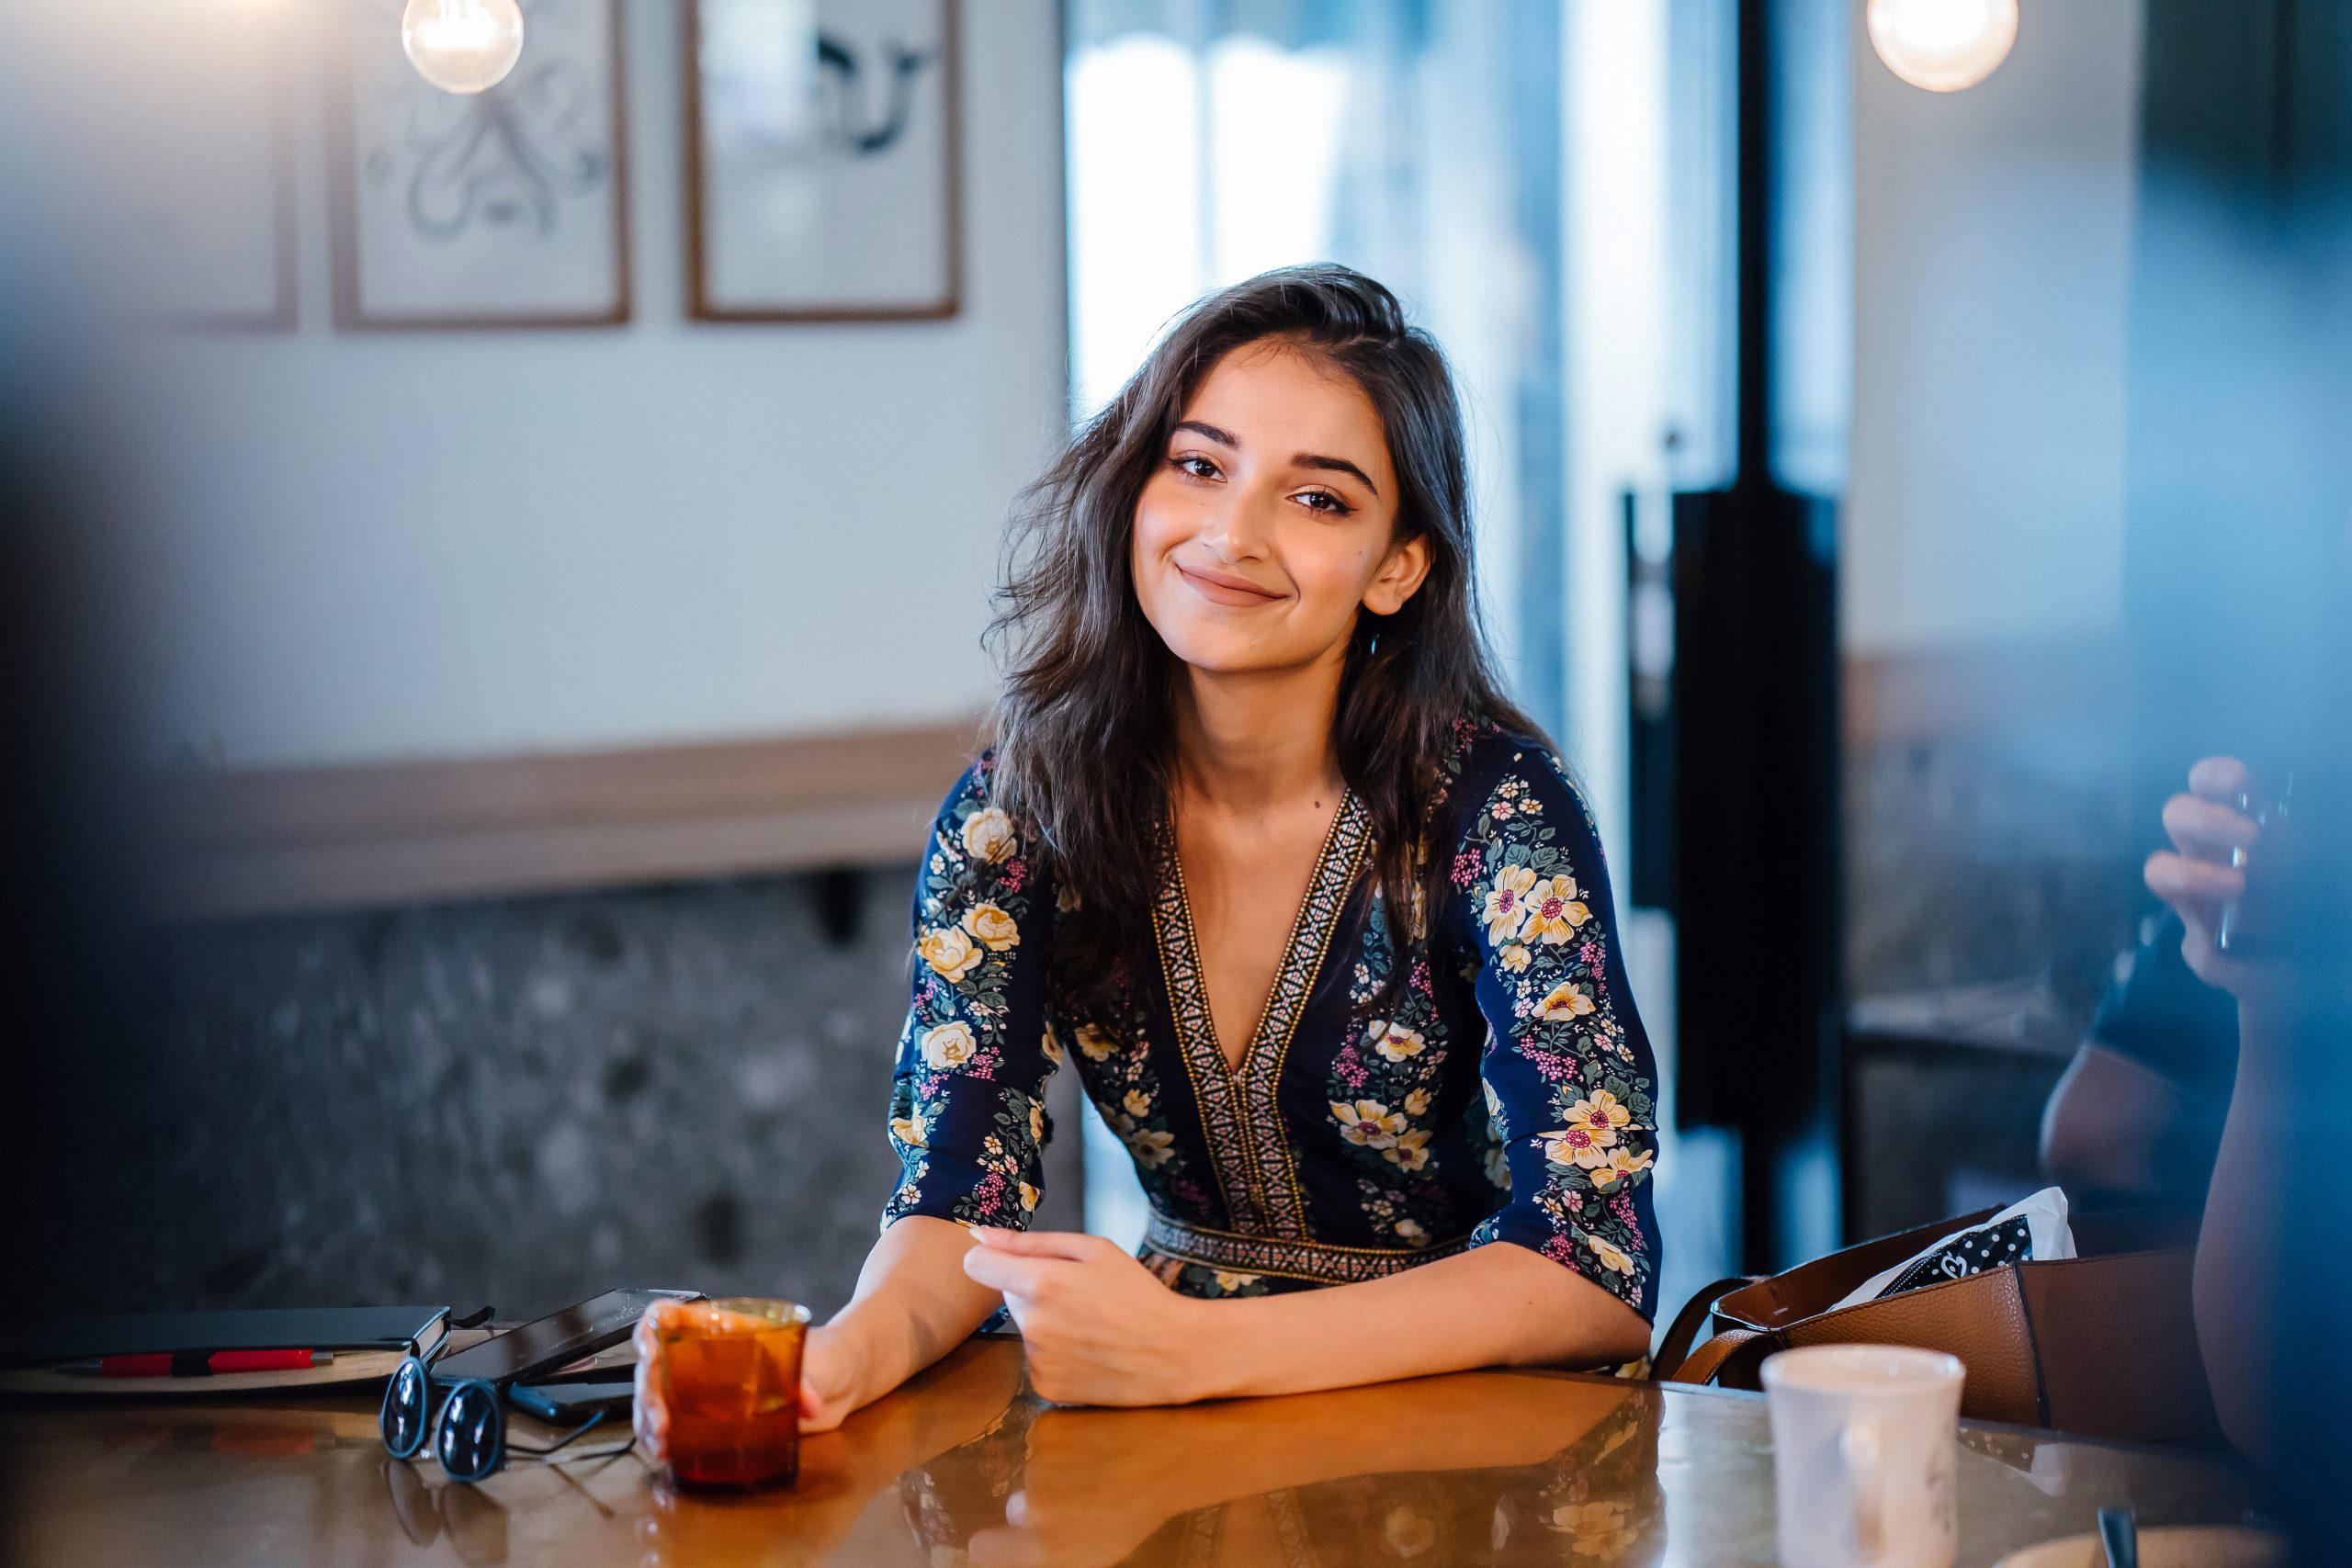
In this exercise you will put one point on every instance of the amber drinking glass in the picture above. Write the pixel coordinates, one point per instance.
(729, 1374)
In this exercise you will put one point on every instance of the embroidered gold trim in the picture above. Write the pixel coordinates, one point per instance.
(1240, 1112)
(1212, 1090)
(1325, 1263)
(1319, 917)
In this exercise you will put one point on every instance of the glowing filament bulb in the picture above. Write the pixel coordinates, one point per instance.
(1943, 45)
(462, 46)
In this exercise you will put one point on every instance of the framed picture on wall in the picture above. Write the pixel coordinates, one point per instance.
(821, 160)
(502, 208)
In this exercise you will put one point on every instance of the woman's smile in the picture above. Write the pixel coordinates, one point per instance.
(1224, 588)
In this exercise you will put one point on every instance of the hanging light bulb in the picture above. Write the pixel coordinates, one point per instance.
(1943, 45)
(462, 46)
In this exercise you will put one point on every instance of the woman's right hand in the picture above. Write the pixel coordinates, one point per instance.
(649, 1412)
(829, 1377)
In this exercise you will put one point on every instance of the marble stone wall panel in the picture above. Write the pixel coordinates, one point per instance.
(520, 1101)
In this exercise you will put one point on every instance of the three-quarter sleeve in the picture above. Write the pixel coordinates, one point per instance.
(967, 1101)
(1570, 1085)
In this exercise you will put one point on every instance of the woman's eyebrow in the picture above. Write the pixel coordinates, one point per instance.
(1302, 461)
(1336, 465)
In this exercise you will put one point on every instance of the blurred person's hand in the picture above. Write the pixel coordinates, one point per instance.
(2196, 876)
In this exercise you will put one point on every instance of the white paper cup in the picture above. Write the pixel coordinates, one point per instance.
(1862, 1455)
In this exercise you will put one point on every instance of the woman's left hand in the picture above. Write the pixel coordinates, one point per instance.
(1097, 1326)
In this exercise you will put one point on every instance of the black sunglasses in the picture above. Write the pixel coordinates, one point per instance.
(470, 1435)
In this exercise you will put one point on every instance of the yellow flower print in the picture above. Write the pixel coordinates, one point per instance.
(1229, 1282)
(989, 836)
(1367, 1122)
(1498, 1167)
(1611, 1258)
(1053, 1045)
(1412, 1232)
(1622, 1164)
(1096, 1042)
(1552, 912)
(1507, 902)
(1136, 1104)
(949, 951)
(1151, 1150)
(1410, 1151)
(1418, 1103)
(1028, 1198)
(1602, 1115)
(911, 1131)
(1408, 1532)
(1494, 1103)
(1512, 957)
(1577, 1146)
(1036, 1123)
(949, 1045)
(992, 927)
(1599, 1531)
(1566, 1000)
(1066, 898)
(1394, 1040)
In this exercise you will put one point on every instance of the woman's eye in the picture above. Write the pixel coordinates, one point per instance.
(1197, 466)
(1324, 501)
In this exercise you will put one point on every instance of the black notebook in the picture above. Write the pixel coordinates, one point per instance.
(394, 1329)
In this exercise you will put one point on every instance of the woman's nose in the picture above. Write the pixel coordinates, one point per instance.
(1242, 528)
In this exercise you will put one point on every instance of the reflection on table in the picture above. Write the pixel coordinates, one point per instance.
(965, 1466)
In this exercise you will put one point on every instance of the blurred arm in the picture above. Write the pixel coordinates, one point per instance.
(2106, 1121)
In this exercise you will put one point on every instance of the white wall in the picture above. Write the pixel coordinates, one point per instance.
(413, 544)
(1992, 246)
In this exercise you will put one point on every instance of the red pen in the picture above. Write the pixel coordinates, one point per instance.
(198, 1363)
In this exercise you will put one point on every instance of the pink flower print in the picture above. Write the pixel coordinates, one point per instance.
(1015, 872)
(1465, 868)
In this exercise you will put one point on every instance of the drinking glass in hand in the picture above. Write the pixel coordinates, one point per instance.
(722, 1379)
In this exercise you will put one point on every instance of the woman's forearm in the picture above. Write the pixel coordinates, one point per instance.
(912, 1305)
(1496, 1305)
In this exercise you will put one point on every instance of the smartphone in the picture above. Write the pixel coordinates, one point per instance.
(538, 1348)
(569, 1403)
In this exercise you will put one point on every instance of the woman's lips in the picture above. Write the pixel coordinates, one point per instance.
(1219, 589)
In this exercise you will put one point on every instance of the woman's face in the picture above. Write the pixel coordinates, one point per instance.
(1272, 518)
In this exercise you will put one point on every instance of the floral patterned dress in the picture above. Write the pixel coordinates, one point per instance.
(1506, 1095)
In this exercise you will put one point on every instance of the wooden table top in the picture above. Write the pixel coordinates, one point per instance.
(964, 1466)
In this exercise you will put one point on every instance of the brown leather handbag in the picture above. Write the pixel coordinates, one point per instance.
(2103, 1344)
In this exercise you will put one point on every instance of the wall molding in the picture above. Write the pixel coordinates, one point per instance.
(282, 841)
(1986, 691)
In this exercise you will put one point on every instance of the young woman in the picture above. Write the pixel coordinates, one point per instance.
(1262, 852)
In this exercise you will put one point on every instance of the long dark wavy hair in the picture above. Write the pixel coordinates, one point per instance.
(1084, 729)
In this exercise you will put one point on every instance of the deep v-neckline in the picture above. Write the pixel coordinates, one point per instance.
(1238, 1106)
(1300, 923)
